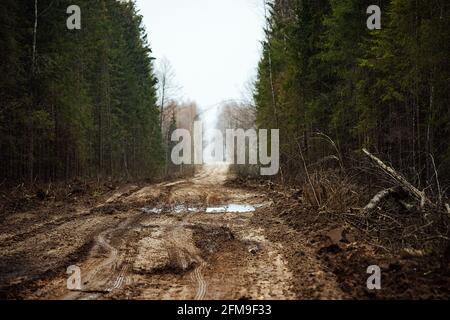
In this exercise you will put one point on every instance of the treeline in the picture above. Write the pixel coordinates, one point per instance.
(76, 103)
(324, 72)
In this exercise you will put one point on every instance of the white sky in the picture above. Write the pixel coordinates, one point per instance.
(213, 45)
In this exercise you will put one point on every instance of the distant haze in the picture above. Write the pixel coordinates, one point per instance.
(213, 45)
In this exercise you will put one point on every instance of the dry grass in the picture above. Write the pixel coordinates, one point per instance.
(334, 191)
(389, 225)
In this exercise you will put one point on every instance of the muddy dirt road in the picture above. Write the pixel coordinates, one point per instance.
(191, 239)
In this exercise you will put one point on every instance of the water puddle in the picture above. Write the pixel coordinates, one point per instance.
(232, 208)
(183, 208)
(229, 208)
(175, 209)
(152, 210)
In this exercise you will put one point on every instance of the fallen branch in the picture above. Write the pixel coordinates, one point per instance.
(394, 192)
(419, 195)
(379, 197)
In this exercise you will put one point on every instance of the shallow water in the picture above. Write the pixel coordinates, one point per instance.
(152, 210)
(229, 208)
(232, 208)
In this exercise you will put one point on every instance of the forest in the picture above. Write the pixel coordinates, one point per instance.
(333, 87)
(93, 206)
(76, 103)
(83, 103)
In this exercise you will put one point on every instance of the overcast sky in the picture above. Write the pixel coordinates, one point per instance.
(213, 45)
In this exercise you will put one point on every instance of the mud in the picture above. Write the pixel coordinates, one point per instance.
(149, 242)
(208, 237)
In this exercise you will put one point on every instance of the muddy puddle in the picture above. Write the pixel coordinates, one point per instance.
(228, 208)
(232, 208)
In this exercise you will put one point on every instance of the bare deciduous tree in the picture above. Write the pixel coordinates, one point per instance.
(168, 89)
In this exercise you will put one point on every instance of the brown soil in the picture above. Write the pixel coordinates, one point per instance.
(344, 252)
(157, 241)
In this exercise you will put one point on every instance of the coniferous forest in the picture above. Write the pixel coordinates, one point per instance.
(325, 76)
(106, 191)
(76, 103)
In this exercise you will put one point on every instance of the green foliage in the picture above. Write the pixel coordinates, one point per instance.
(386, 89)
(88, 107)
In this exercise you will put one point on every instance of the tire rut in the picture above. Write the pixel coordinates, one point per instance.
(200, 280)
(98, 284)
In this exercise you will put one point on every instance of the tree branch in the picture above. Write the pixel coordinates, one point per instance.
(419, 195)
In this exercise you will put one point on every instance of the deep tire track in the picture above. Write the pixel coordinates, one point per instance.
(202, 286)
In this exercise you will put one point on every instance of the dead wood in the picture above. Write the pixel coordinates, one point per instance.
(416, 193)
(379, 197)
(394, 193)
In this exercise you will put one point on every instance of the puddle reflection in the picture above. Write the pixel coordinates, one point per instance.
(229, 208)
